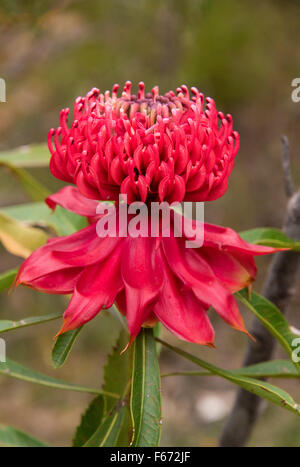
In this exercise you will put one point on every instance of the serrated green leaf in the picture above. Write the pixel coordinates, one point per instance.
(117, 373)
(63, 346)
(114, 425)
(12, 437)
(35, 155)
(90, 421)
(108, 432)
(269, 237)
(272, 319)
(7, 325)
(117, 369)
(6, 279)
(16, 370)
(260, 388)
(145, 401)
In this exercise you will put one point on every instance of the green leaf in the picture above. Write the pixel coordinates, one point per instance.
(271, 318)
(117, 373)
(114, 427)
(145, 401)
(61, 221)
(68, 222)
(6, 280)
(108, 432)
(117, 370)
(36, 155)
(260, 388)
(6, 325)
(12, 437)
(126, 429)
(18, 238)
(271, 369)
(269, 237)
(31, 186)
(157, 331)
(16, 370)
(90, 421)
(63, 346)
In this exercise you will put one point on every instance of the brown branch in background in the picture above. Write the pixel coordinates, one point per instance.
(286, 164)
(278, 288)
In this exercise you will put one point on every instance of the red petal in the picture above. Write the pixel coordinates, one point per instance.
(79, 249)
(142, 276)
(223, 238)
(58, 282)
(58, 169)
(85, 188)
(90, 252)
(196, 274)
(227, 239)
(182, 313)
(97, 288)
(235, 271)
(71, 199)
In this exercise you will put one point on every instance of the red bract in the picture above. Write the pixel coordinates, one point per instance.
(150, 147)
(150, 279)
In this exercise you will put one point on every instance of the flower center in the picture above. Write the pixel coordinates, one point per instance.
(150, 103)
(147, 146)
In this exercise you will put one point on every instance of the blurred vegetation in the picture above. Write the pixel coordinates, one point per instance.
(244, 55)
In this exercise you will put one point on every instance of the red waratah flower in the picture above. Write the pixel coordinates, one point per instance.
(151, 148)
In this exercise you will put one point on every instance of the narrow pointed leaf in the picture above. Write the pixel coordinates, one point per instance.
(35, 155)
(125, 433)
(30, 185)
(272, 319)
(145, 402)
(7, 278)
(260, 388)
(269, 237)
(68, 222)
(90, 421)
(157, 331)
(16, 370)
(108, 432)
(117, 373)
(61, 221)
(272, 369)
(11, 437)
(7, 325)
(117, 369)
(63, 346)
(18, 238)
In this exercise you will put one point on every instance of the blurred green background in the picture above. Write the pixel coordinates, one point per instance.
(244, 55)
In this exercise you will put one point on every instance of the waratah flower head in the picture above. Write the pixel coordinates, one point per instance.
(147, 146)
(151, 148)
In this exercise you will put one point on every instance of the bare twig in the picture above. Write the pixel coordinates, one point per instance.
(278, 288)
(286, 164)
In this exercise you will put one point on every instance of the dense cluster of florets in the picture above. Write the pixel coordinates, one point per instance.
(147, 146)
